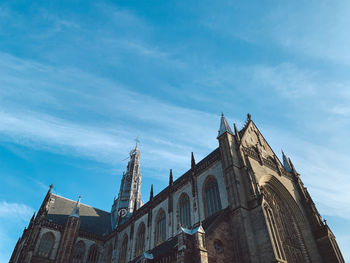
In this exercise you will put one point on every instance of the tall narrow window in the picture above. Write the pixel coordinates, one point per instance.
(123, 251)
(93, 254)
(78, 252)
(274, 233)
(109, 253)
(46, 245)
(140, 240)
(212, 197)
(160, 233)
(185, 210)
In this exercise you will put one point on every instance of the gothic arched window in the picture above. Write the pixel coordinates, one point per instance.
(78, 252)
(46, 244)
(185, 210)
(140, 240)
(283, 220)
(160, 231)
(212, 202)
(109, 253)
(123, 251)
(276, 240)
(93, 254)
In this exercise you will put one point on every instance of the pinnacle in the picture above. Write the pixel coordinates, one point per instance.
(224, 127)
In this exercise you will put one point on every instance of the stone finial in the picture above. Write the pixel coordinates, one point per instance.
(50, 189)
(171, 177)
(236, 132)
(32, 219)
(249, 117)
(193, 162)
(151, 193)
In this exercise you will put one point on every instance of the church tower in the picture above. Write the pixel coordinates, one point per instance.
(129, 197)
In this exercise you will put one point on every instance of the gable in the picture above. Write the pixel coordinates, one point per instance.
(252, 137)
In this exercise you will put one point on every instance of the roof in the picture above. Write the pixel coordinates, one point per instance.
(224, 127)
(92, 220)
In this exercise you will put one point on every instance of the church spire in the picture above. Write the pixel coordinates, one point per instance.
(76, 209)
(224, 127)
(129, 197)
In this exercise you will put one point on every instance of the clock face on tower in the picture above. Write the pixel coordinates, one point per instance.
(122, 212)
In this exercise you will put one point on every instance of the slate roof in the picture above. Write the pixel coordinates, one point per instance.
(92, 220)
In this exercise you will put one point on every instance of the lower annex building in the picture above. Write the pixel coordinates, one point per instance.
(239, 204)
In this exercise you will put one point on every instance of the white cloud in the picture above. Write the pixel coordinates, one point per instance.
(41, 110)
(322, 168)
(15, 211)
(287, 79)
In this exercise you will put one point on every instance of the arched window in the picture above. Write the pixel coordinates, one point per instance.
(283, 219)
(160, 233)
(109, 253)
(46, 245)
(211, 197)
(78, 252)
(140, 240)
(185, 210)
(93, 254)
(276, 240)
(124, 248)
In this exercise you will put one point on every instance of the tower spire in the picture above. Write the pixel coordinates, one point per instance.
(129, 197)
(224, 127)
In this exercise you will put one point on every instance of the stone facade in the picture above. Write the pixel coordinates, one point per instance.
(238, 204)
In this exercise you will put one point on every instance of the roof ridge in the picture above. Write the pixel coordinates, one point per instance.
(80, 203)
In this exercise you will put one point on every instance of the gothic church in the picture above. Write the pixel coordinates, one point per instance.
(239, 204)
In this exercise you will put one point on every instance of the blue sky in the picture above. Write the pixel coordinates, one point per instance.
(79, 80)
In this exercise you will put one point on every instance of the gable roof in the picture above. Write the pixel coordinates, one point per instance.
(92, 220)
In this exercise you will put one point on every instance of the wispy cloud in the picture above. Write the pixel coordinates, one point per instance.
(45, 119)
(323, 170)
(15, 211)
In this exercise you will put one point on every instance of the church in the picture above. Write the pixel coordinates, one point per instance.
(239, 204)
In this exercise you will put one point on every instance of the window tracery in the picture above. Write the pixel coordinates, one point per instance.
(78, 252)
(93, 254)
(140, 240)
(212, 202)
(185, 210)
(160, 231)
(46, 244)
(284, 230)
(124, 248)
